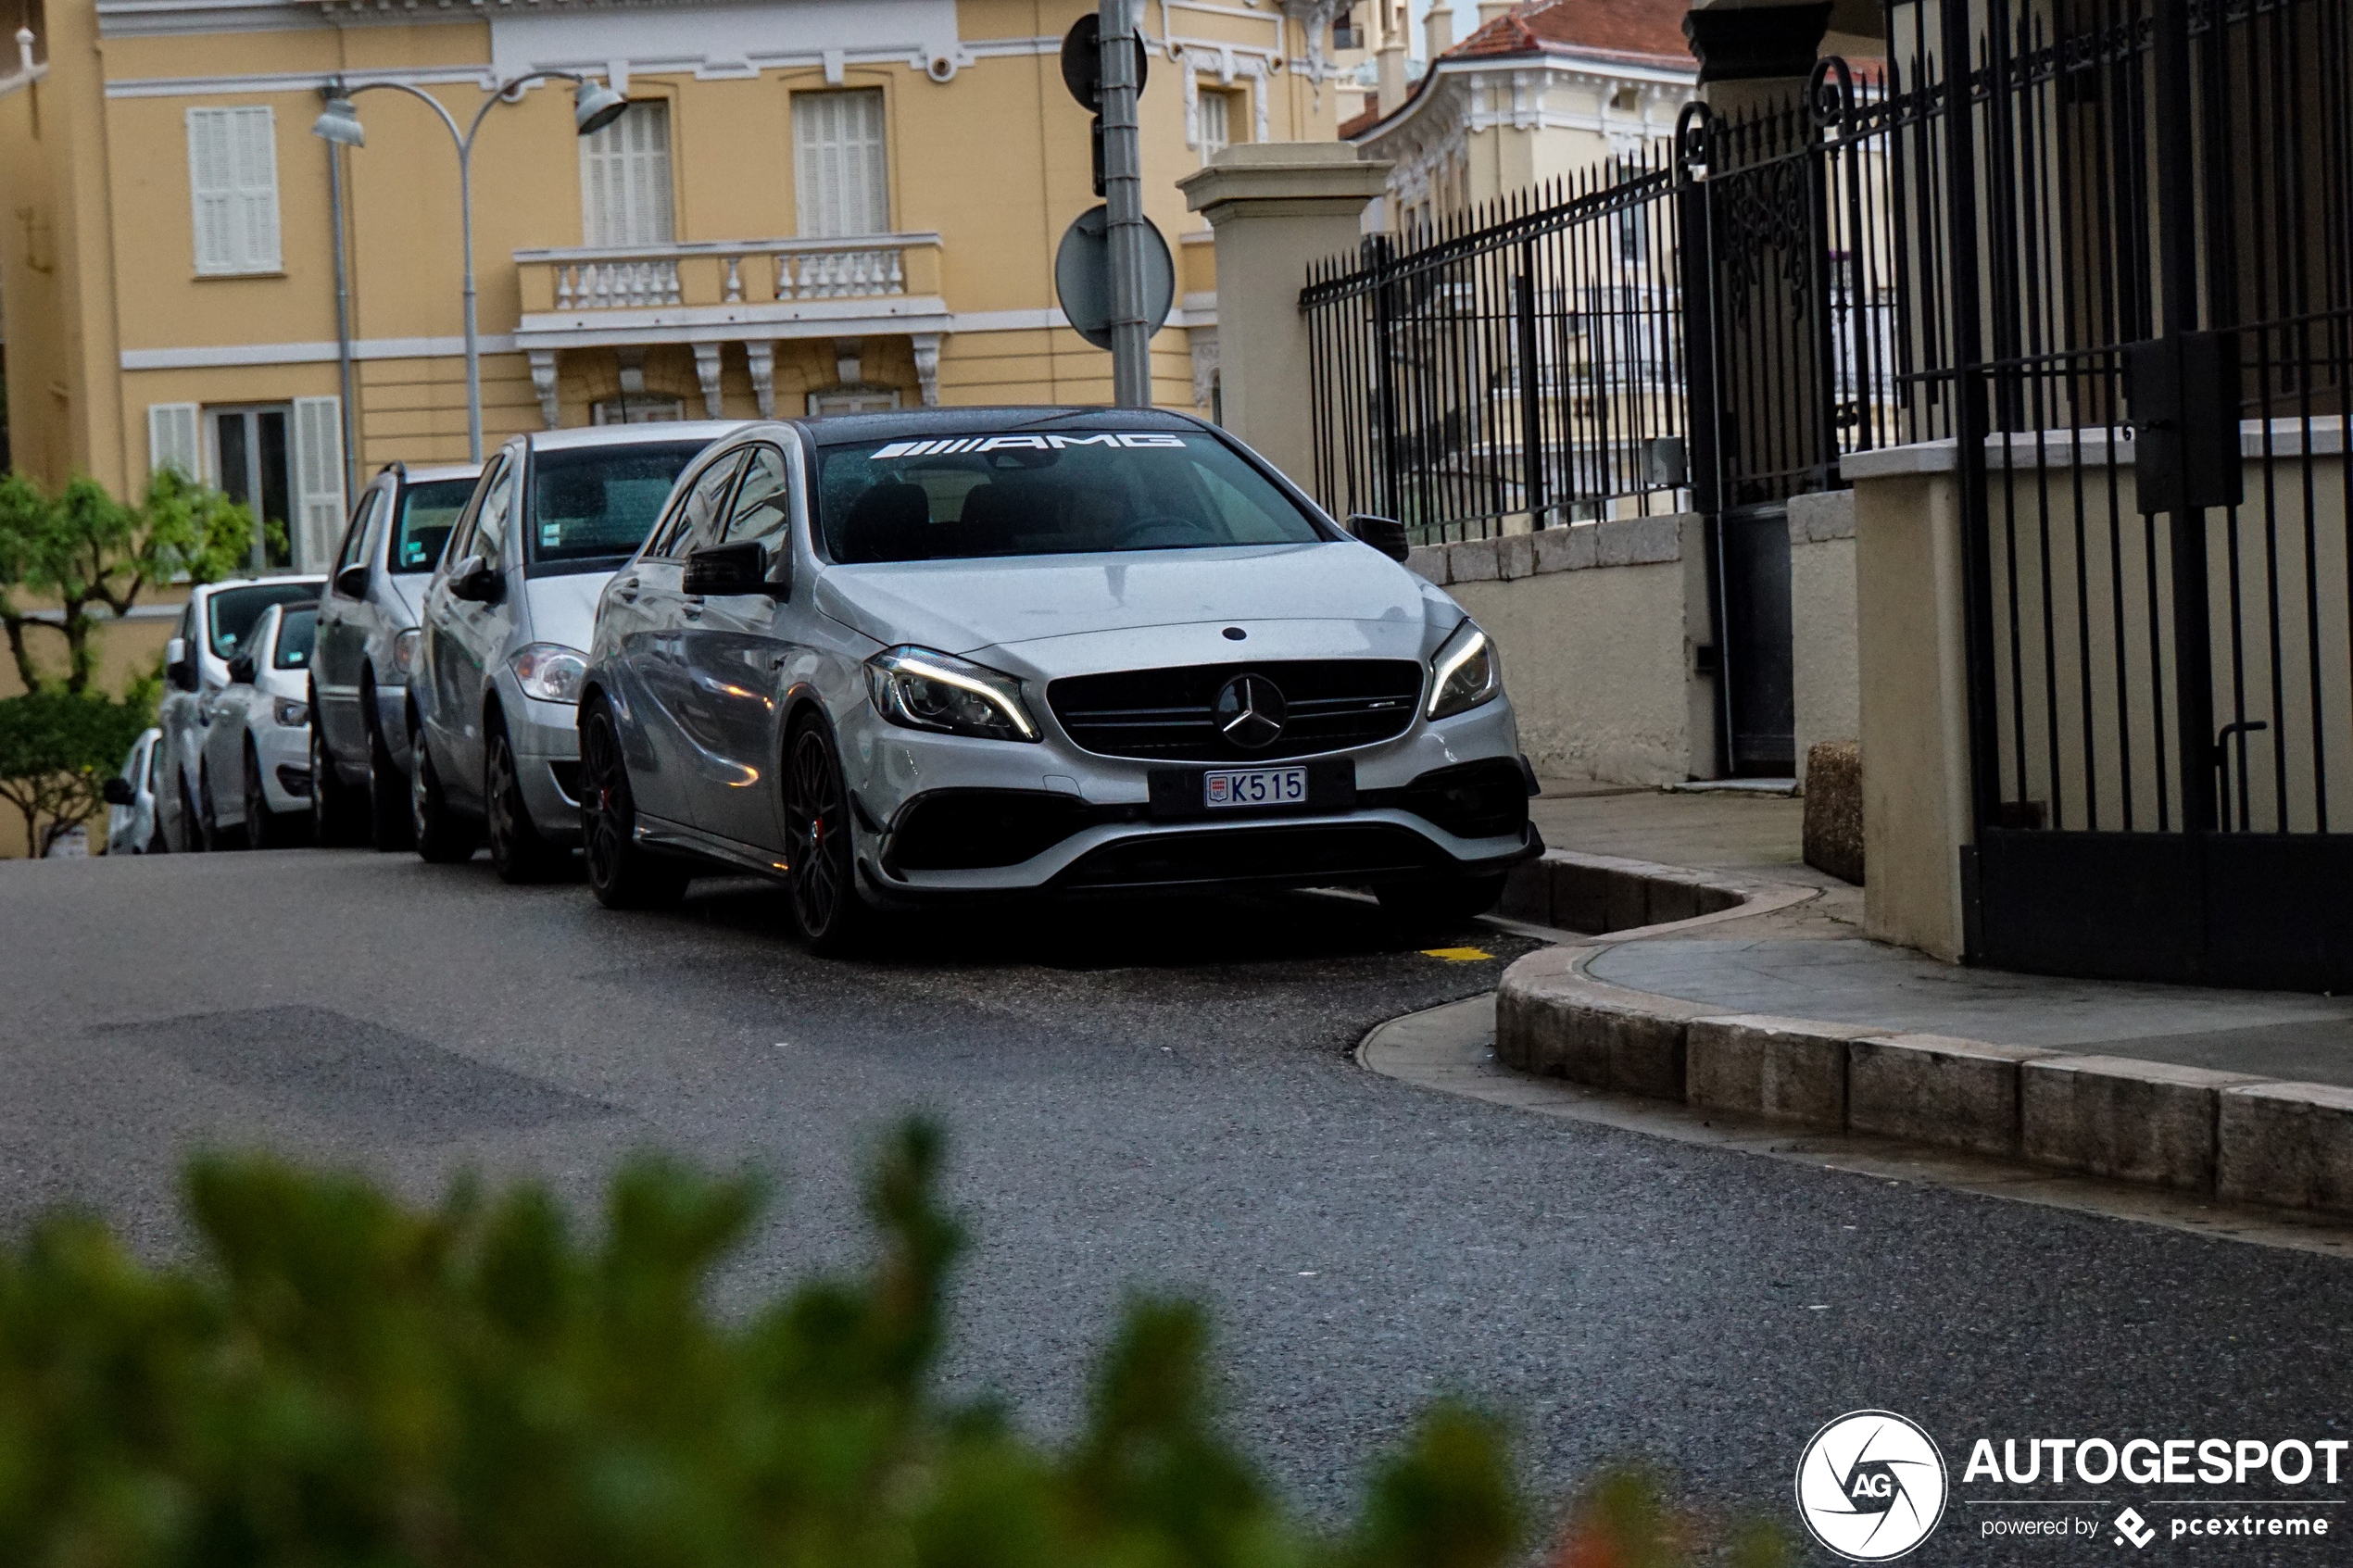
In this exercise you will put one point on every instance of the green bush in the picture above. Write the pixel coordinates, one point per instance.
(59, 748)
(343, 1381)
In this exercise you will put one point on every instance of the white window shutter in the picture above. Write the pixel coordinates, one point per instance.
(173, 440)
(624, 179)
(233, 184)
(317, 462)
(842, 181)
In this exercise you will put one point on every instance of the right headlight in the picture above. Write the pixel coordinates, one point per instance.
(404, 652)
(1464, 672)
(925, 690)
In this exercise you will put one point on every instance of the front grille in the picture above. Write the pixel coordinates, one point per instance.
(1330, 705)
(1335, 854)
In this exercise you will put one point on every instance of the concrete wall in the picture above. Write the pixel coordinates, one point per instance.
(1821, 591)
(1599, 624)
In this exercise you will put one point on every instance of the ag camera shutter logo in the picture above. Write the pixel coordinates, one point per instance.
(1872, 1485)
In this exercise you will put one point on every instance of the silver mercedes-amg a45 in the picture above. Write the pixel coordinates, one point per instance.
(969, 653)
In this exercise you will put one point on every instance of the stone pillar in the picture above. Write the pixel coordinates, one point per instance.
(1277, 208)
(543, 381)
(1438, 31)
(1751, 54)
(759, 356)
(1910, 653)
(1489, 9)
(707, 376)
(1390, 75)
(926, 350)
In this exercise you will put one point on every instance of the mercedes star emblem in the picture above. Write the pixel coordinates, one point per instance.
(1249, 711)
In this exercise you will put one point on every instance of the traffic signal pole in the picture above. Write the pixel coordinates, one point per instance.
(1131, 376)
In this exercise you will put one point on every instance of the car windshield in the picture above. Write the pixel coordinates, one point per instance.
(597, 501)
(1064, 493)
(428, 510)
(297, 630)
(230, 612)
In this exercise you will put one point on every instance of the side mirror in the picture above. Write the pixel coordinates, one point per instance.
(1383, 533)
(179, 668)
(739, 568)
(241, 671)
(476, 581)
(119, 791)
(352, 582)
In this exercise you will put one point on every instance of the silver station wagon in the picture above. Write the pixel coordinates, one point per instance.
(897, 658)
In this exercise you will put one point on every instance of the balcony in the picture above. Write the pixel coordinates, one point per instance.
(722, 291)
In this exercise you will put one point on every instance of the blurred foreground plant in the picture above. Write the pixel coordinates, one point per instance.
(347, 1382)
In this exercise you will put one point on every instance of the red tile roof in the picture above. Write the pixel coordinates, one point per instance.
(1646, 32)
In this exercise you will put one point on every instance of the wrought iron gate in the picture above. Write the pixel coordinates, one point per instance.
(2134, 243)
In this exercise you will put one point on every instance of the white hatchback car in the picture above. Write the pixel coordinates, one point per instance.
(132, 824)
(259, 734)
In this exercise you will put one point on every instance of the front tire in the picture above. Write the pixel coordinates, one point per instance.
(833, 914)
(264, 828)
(622, 874)
(390, 827)
(516, 847)
(443, 838)
(216, 837)
(337, 809)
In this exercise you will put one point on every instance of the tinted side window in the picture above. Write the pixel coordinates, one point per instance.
(763, 502)
(355, 540)
(694, 523)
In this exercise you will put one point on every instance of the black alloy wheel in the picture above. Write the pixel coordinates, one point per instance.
(516, 847)
(827, 903)
(389, 824)
(622, 874)
(443, 838)
(216, 837)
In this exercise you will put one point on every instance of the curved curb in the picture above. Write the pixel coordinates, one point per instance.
(2230, 1135)
(1449, 1048)
(1578, 896)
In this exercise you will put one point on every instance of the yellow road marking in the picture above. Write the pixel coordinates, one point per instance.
(1458, 955)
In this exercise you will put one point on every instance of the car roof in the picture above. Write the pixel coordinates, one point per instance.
(656, 434)
(426, 474)
(208, 589)
(906, 423)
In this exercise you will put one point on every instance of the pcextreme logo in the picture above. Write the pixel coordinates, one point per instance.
(1872, 1485)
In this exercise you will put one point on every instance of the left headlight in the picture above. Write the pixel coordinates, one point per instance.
(925, 690)
(404, 649)
(291, 715)
(550, 671)
(1464, 672)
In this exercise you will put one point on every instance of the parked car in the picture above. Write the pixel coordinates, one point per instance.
(220, 617)
(491, 716)
(367, 643)
(260, 735)
(895, 658)
(131, 826)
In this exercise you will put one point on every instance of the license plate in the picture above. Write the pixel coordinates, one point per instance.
(1255, 786)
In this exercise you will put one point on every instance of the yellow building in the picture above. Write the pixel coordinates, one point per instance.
(811, 206)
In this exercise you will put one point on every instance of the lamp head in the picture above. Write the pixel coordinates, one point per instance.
(595, 106)
(339, 122)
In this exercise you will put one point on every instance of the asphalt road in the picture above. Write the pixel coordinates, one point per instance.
(1160, 1098)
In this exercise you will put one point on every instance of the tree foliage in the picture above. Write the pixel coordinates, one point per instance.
(88, 551)
(343, 1381)
(59, 748)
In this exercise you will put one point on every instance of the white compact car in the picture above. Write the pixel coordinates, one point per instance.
(986, 652)
(259, 735)
(214, 628)
(131, 826)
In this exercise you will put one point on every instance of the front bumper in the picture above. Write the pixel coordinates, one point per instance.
(547, 742)
(940, 816)
(285, 755)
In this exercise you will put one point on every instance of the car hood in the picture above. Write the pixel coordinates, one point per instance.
(563, 608)
(963, 606)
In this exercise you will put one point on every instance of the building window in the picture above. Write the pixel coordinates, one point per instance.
(851, 400)
(1214, 121)
(232, 182)
(638, 409)
(624, 179)
(252, 461)
(841, 183)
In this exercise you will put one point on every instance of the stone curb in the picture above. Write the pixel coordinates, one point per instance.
(2186, 1129)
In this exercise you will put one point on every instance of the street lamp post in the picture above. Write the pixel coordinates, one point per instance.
(595, 106)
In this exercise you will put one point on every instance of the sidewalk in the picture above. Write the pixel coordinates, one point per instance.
(1812, 960)
(1724, 975)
